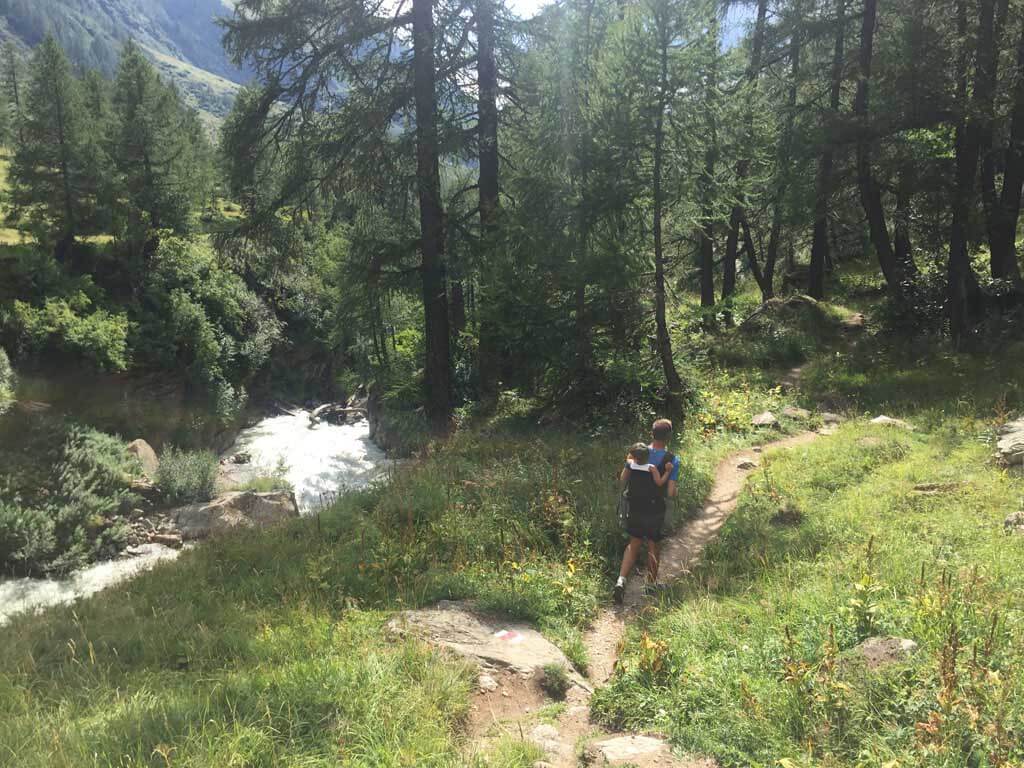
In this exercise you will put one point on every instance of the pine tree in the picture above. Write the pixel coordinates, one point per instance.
(150, 149)
(50, 172)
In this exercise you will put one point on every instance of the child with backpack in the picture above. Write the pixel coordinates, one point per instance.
(651, 473)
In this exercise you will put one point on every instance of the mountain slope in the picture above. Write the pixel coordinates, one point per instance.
(181, 37)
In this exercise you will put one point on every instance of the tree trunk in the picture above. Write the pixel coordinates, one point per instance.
(68, 235)
(1002, 225)
(428, 183)
(870, 192)
(706, 243)
(990, 39)
(822, 201)
(743, 164)
(458, 308)
(668, 365)
(963, 286)
(759, 277)
(785, 157)
(487, 127)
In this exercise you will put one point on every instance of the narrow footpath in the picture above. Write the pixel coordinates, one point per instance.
(573, 734)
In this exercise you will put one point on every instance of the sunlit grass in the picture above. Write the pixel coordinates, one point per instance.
(745, 662)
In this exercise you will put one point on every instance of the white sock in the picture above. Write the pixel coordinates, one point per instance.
(621, 582)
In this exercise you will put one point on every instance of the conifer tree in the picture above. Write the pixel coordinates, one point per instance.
(50, 172)
(150, 148)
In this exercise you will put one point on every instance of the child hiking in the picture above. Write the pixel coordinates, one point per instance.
(651, 474)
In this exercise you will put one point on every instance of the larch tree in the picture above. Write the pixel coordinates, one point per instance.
(50, 172)
(347, 80)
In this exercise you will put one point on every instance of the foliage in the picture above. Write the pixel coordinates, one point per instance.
(555, 681)
(204, 319)
(53, 179)
(186, 476)
(68, 325)
(57, 499)
(7, 381)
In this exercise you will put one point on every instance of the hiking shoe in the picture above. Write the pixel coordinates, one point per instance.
(619, 593)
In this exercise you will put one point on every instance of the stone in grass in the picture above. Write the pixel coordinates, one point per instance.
(1014, 523)
(235, 511)
(1010, 446)
(489, 641)
(799, 414)
(637, 750)
(880, 652)
(147, 457)
(766, 419)
(888, 421)
(486, 683)
(746, 464)
(827, 417)
(547, 738)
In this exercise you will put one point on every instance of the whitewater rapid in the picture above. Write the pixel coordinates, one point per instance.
(319, 461)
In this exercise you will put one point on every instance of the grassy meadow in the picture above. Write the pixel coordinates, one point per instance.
(875, 531)
(271, 650)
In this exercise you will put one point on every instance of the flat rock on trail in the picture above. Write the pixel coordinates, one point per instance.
(491, 642)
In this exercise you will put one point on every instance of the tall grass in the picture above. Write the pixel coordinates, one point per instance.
(752, 660)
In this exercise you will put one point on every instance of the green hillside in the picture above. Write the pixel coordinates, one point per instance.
(181, 37)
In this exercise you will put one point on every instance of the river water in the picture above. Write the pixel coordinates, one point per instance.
(319, 461)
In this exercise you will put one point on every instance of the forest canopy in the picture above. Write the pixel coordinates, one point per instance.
(450, 201)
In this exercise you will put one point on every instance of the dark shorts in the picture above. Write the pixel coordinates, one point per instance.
(650, 526)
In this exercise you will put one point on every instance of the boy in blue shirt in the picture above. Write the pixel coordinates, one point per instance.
(649, 527)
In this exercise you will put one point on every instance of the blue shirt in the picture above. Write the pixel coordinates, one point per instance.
(655, 457)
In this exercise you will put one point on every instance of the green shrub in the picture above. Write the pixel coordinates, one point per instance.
(7, 381)
(75, 326)
(186, 476)
(204, 317)
(58, 501)
(555, 681)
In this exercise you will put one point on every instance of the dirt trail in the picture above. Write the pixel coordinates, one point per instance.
(681, 551)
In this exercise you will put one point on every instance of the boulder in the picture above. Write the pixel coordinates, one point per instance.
(546, 737)
(1014, 523)
(887, 421)
(486, 683)
(232, 511)
(1010, 446)
(171, 540)
(487, 641)
(792, 412)
(638, 750)
(831, 418)
(144, 452)
(766, 419)
(879, 652)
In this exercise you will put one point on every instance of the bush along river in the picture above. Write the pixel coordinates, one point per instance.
(281, 465)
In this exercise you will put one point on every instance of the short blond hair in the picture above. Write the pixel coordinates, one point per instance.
(661, 430)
